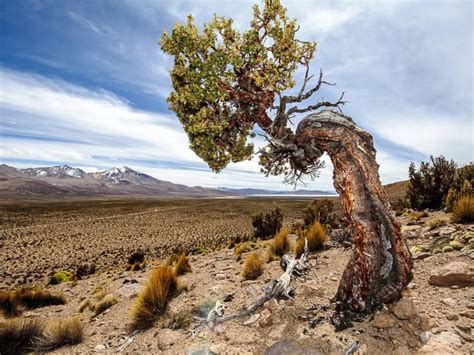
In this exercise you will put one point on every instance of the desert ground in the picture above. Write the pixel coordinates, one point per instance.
(39, 239)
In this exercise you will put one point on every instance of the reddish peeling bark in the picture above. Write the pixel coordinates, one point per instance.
(380, 266)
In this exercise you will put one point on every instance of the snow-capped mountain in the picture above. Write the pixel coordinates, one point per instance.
(60, 171)
(123, 176)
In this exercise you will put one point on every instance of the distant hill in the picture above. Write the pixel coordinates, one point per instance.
(65, 180)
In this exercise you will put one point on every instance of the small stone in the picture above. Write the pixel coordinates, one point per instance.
(252, 319)
(383, 319)
(167, 338)
(446, 343)
(421, 256)
(98, 348)
(265, 318)
(405, 309)
(464, 327)
(425, 336)
(449, 302)
(219, 277)
(273, 305)
(468, 314)
(452, 316)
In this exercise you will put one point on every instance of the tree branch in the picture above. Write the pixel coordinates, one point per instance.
(339, 102)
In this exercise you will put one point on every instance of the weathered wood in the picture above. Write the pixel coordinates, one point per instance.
(380, 266)
(276, 288)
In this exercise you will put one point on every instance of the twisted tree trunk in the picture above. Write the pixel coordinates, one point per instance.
(380, 266)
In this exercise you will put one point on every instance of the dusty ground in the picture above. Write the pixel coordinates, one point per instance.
(216, 276)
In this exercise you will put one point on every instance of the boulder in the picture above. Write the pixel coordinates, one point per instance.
(405, 309)
(383, 319)
(128, 291)
(445, 343)
(455, 273)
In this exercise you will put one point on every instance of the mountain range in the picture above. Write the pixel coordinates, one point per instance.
(65, 180)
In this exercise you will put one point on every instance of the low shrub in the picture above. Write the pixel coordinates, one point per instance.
(463, 209)
(267, 224)
(321, 210)
(178, 320)
(252, 267)
(152, 301)
(8, 306)
(316, 236)
(182, 265)
(136, 261)
(60, 277)
(280, 244)
(60, 332)
(437, 221)
(11, 302)
(241, 248)
(199, 250)
(18, 336)
(105, 303)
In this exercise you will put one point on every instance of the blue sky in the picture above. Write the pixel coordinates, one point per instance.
(85, 82)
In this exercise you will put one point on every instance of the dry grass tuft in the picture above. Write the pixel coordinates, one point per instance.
(463, 208)
(12, 301)
(105, 303)
(316, 236)
(437, 221)
(280, 244)
(252, 267)
(417, 215)
(180, 263)
(243, 248)
(61, 332)
(152, 301)
(178, 320)
(18, 336)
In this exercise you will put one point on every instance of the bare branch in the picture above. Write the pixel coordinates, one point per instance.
(339, 102)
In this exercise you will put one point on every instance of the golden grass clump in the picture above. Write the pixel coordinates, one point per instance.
(280, 244)
(463, 208)
(316, 236)
(252, 267)
(152, 301)
(61, 332)
(105, 303)
(437, 221)
(11, 302)
(180, 263)
(18, 336)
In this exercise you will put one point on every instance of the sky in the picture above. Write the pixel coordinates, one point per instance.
(85, 83)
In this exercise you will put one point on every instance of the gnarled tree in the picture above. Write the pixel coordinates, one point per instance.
(226, 83)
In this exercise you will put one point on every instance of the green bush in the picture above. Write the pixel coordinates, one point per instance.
(462, 186)
(61, 276)
(429, 185)
(267, 224)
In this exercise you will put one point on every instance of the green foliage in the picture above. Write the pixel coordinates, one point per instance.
(321, 210)
(429, 185)
(224, 80)
(60, 277)
(267, 224)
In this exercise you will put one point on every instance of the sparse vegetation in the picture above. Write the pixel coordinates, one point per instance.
(178, 320)
(18, 336)
(152, 301)
(429, 185)
(180, 263)
(105, 303)
(60, 332)
(437, 221)
(199, 250)
(417, 215)
(316, 236)
(252, 267)
(244, 247)
(463, 185)
(11, 302)
(267, 224)
(60, 277)
(321, 210)
(280, 244)
(136, 261)
(463, 209)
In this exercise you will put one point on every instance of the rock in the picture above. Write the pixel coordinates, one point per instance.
(445, 343)
(421, 256)
(447, 230)
(273, 305)
(455, 273)
(405, 309)
(128, 291)
(425, 336)
(167, 338)
(98, 348)
(265, 318)
(448, 302)
(219, 277)
(383, 319)
(468, 314)
(401, 350)
(452, 316)
(253, 318)
(286, 347)
(464, 327)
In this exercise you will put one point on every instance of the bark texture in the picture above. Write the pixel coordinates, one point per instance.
(380, 266)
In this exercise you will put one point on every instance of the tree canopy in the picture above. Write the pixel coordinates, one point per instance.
(225, 82)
